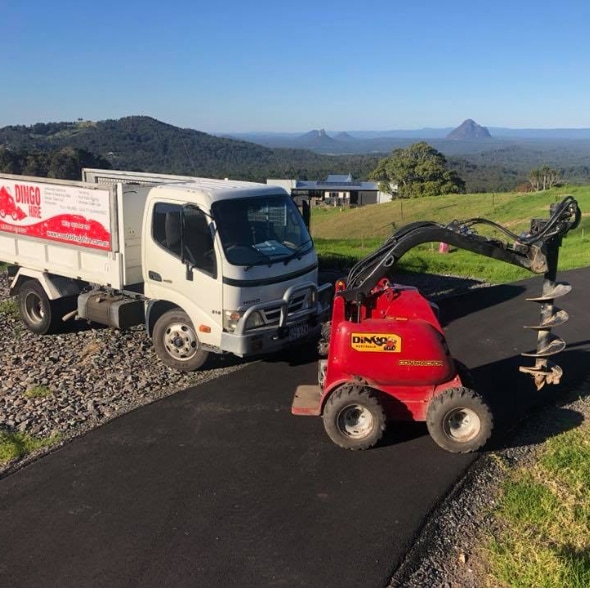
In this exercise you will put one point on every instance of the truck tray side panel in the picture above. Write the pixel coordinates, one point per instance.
(94, 267)
(62, 227)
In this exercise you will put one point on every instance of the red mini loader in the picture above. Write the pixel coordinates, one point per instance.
(387, 357)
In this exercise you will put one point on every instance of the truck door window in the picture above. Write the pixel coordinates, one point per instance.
(166, 227)
(184, 232)
(198, 241)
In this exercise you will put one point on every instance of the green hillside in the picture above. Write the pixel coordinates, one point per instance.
(145, 144)
(366, 228)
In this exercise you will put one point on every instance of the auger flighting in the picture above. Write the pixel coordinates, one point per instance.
(564, 216)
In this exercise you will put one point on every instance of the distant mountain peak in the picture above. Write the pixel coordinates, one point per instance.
(469, 129)
(317, 137)
(344, 136)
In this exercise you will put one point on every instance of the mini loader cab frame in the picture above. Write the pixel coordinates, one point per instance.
(387, 357)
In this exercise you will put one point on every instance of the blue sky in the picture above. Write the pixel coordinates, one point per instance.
(248, 65)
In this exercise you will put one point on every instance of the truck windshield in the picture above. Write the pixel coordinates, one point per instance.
(261, 230)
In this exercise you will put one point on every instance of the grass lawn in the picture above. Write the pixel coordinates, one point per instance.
(366, 228)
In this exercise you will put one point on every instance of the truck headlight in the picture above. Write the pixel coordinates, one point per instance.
(232, 317)
(255, 320)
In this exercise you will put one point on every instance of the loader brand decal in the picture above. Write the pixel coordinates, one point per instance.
(420, 363)
(375, 342)
(68, 214)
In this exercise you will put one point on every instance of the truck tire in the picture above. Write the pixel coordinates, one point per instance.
(39, 313)
(176, 342)
(459, 420)
(354, 418)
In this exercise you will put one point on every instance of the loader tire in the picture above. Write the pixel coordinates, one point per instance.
(40, 314)
(459, 420)
(176, 342)
(354, 418)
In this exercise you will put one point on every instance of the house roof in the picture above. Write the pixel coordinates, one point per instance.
(335, 186)
(335, 182)
(339, 178)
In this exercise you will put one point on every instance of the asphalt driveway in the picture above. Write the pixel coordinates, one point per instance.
(220, 485)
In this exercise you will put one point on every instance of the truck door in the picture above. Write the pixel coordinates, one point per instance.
(181, 266)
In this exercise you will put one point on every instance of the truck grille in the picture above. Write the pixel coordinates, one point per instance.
(299, 302)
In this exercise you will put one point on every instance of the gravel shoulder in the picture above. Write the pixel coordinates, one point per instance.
(84, 378)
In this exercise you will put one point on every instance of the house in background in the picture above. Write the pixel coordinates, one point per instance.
(336, 191)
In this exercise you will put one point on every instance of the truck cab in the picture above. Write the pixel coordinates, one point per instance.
(227, 266)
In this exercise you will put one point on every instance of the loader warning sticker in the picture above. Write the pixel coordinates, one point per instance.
(68, 214)
(376, 342)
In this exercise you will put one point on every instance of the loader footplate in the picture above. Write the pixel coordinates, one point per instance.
(306, 401)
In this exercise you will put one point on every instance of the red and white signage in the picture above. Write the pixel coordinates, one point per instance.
(68, 214)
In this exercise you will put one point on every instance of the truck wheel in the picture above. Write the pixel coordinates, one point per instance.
(353, 418)
(39, 314)
(177, 343)
(459, 420)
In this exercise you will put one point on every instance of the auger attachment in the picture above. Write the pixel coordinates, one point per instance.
(548, 344)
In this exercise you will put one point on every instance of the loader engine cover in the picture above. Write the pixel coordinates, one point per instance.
(390, 352)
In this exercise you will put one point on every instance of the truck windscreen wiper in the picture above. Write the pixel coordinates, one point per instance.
(299, 251)
(264, 259)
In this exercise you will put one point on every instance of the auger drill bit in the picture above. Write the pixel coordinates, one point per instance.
(548, 344)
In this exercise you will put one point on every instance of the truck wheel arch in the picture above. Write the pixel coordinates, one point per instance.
(155, 309)
(55, 286)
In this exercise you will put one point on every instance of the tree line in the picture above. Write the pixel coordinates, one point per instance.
(65, 163)
(144, 144)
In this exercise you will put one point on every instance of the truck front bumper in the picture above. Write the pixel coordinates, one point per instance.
(290, 325)
(267, 340)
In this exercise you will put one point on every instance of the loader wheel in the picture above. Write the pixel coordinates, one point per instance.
(39, 314)
(354, 418)
(176, 342)
(459, 420)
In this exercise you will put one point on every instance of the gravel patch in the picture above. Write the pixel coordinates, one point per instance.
(69, 383)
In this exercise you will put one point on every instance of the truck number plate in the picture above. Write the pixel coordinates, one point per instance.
(299, 330)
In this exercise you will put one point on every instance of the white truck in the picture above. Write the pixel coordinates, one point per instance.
(210, 266)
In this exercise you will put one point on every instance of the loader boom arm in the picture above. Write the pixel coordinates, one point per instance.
(530, 251)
